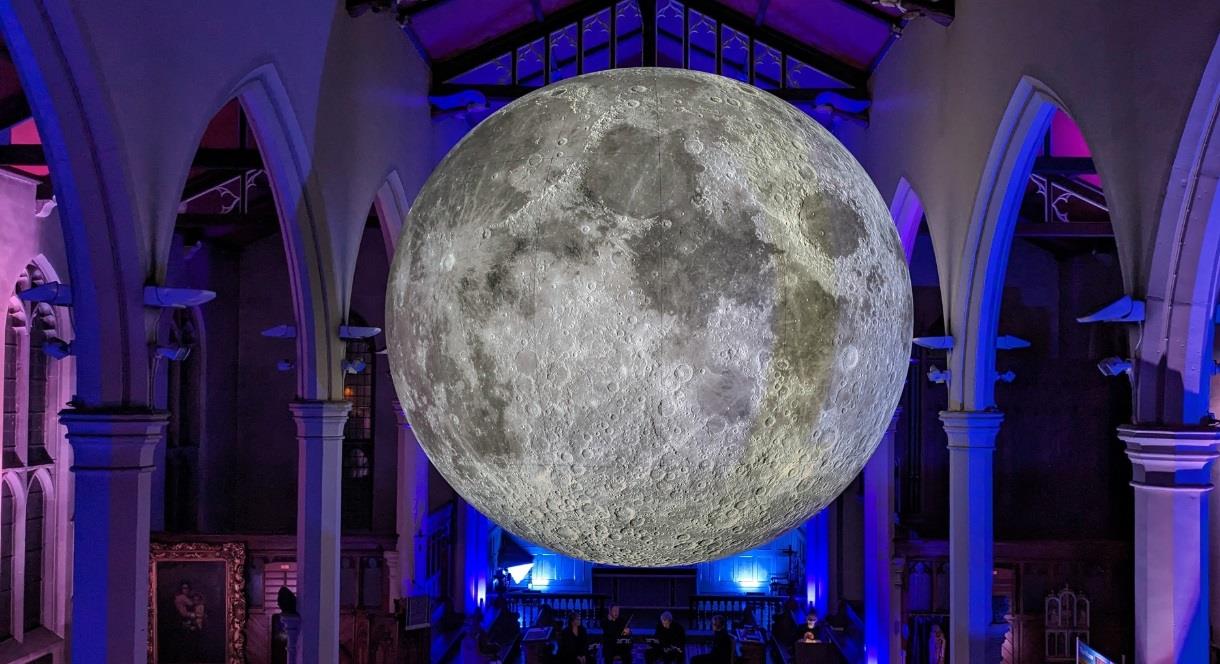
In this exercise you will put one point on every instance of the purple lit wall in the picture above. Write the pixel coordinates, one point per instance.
(817, 561)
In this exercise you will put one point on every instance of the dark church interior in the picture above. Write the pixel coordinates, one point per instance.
(209, 458)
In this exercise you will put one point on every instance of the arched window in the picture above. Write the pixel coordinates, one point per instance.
(32, 397)
(35, 510)
(39, 386)
(14, 321)
(7, 535)
(358, 383)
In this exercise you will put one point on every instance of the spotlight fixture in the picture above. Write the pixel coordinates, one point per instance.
(354, 332)
(174, 353)
(1113, 366)
(281, 332)
(164, 297)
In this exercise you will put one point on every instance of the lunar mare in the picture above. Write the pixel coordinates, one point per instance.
(649, 317)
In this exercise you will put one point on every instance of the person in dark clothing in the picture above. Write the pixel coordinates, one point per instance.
(574, 642)
(616, 637)
(722, 645)
(669, 643)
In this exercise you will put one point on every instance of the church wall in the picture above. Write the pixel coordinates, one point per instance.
(1060, 473)
(264, 487)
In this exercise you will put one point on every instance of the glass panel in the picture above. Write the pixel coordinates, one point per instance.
(6, 562)
(596, 41)
(529, 63)
(702, 45)
(10, 387)
(767, 68)
(358, 438)
(496, 72)
(734, 54)
(33, 556)
(629, 52)
(671, 33)
(801, 75)
(563, 53)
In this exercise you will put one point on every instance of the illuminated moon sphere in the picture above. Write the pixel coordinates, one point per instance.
(649, 317)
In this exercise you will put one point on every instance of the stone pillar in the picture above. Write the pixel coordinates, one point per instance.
(817, 561)
(473, 570)
(1171, 476)
(411, 508)
(879, 550)
(1213, 556)
(319, 476)
(971, 436)
(113, 454)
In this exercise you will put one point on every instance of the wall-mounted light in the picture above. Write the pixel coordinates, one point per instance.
(164, 297)
(174, 353)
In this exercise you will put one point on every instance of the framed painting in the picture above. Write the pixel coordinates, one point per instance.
(197, 603)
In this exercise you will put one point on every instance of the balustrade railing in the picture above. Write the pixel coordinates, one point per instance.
(740, 609)
(528, 606)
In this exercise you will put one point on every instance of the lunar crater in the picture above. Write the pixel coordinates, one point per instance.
(649, 317)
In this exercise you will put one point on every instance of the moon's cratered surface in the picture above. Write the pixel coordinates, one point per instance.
(649, 317)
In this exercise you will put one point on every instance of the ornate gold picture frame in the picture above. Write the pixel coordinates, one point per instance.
(197, 603)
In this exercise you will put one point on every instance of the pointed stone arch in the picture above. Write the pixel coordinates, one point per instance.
(307, 246)
(974, 312)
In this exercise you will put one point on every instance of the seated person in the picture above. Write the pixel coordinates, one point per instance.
(616, 637)
(812, 630)
(573, 642)
(669, 643)
(722, 645)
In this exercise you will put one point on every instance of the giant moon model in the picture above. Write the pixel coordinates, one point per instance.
(649, 317)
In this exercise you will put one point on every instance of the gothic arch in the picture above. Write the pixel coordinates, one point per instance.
(392, 206)
(908, 212)
(974, 312)
(1174, 356)
(299, 208)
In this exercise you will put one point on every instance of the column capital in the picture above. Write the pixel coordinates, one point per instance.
(971, 428)
(320, 419)
(1166, 458)
(113, 439)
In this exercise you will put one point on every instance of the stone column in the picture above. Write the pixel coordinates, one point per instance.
(879, 549)
(1213, 556)
(112, 453)
(1171, 475)
(471, 569)
(971, 437)
(817, 561)
(411, 507)
(319, 477)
